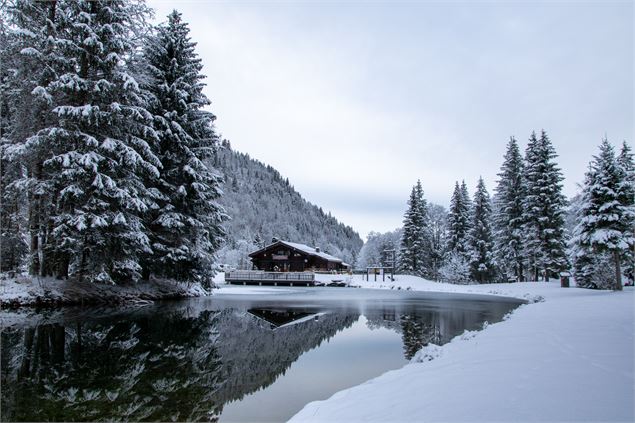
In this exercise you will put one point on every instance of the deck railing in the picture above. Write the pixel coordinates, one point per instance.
(260, 276)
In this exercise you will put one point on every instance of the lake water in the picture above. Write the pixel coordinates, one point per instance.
(226, 358)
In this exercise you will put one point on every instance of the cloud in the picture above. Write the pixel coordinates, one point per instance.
(355, 101)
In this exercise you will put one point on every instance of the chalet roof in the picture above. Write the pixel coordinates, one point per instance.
(301, 247)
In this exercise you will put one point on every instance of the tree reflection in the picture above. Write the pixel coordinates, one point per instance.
(150, 368)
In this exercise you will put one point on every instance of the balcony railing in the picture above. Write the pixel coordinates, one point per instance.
(260, 276)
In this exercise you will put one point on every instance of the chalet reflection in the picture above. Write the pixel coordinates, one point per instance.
(284, 256)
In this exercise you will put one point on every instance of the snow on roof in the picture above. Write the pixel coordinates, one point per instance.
(301, 247)
(310, 251)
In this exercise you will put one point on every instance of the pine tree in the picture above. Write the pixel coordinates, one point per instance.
(13, 247)
(625, 160)
(185, 227)
(102, 133)
(543, 209)
(480, 236)
(605, 224)
(455, 268)
(414, 255)
(438, 237)
(508, 213)
(458, 219)
(36, 57)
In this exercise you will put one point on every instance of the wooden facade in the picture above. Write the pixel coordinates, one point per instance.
(284, 256)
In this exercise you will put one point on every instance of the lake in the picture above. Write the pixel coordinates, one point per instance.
(227, 358)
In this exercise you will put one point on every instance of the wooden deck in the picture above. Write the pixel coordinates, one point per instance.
(252, 277)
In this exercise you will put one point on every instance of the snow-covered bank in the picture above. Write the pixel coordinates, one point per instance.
(569, 357)
(26, 291)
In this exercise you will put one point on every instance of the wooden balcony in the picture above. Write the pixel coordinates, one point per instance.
(256, 277)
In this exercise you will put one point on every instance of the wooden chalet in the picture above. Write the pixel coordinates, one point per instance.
(284, 256)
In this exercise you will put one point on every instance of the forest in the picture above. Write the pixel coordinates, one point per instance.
(528, 230)
(112, 170)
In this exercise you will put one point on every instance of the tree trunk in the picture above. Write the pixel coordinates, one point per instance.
(34, 228)
(618, 271)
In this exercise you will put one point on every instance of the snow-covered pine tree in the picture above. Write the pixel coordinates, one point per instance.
(480, 241)
(186, 226)
(455, 268)
(458, 219)
(605, 224)
(102, 130)
(543, 209)
(438, 237)
(625, 160)
(13, 247)
(414, 254)
(35, 57)
(508, 213)
(466, 198)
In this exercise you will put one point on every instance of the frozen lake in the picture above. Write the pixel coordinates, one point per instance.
(231, 357)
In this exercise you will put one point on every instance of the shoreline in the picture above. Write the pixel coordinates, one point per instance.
(22, 291)
(536, 365)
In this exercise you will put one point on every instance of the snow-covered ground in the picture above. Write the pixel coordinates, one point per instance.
(566, 356)
(23, 290)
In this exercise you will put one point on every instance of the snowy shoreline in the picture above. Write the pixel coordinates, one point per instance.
(568, 355)
(49, 292)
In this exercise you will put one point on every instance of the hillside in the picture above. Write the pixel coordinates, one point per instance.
(262, 205)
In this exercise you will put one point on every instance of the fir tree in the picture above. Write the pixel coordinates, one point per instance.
(102, 131)
(458, 219)
(185, 227)
(36, 56)
(543, 209)
(455, 268)
(414, 243)
(625, 160)
(508, 213)
(480, 236)
(605, 224)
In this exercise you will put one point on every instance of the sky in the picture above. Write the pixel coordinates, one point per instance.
(355, 101)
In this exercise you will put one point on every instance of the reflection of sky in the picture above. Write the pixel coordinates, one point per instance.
(351, 357)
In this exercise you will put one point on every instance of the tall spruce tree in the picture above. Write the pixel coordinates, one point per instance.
(606, 219)
(625, 160)
(543, 209)
(508, 213)
(185, 227)
(458, 219)
(480, 241)
(102, 132)
(414, 243)
(36, 56)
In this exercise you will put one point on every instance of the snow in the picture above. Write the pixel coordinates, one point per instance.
(25, 291)
(311, 251)
(568, 355)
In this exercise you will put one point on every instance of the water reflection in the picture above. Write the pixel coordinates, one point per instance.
(185, 361)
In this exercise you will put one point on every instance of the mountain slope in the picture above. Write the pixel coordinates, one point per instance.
(262, 205)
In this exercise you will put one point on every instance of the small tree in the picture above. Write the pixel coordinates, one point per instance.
(458, 219)
(480, 236)
(455, 268)
(414, 242)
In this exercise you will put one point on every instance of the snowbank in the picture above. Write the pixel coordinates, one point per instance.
(27, 291)
(569, 357)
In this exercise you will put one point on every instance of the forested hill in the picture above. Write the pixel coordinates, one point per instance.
(262, 205)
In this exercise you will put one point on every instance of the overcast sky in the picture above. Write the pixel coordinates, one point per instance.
(355, 101)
